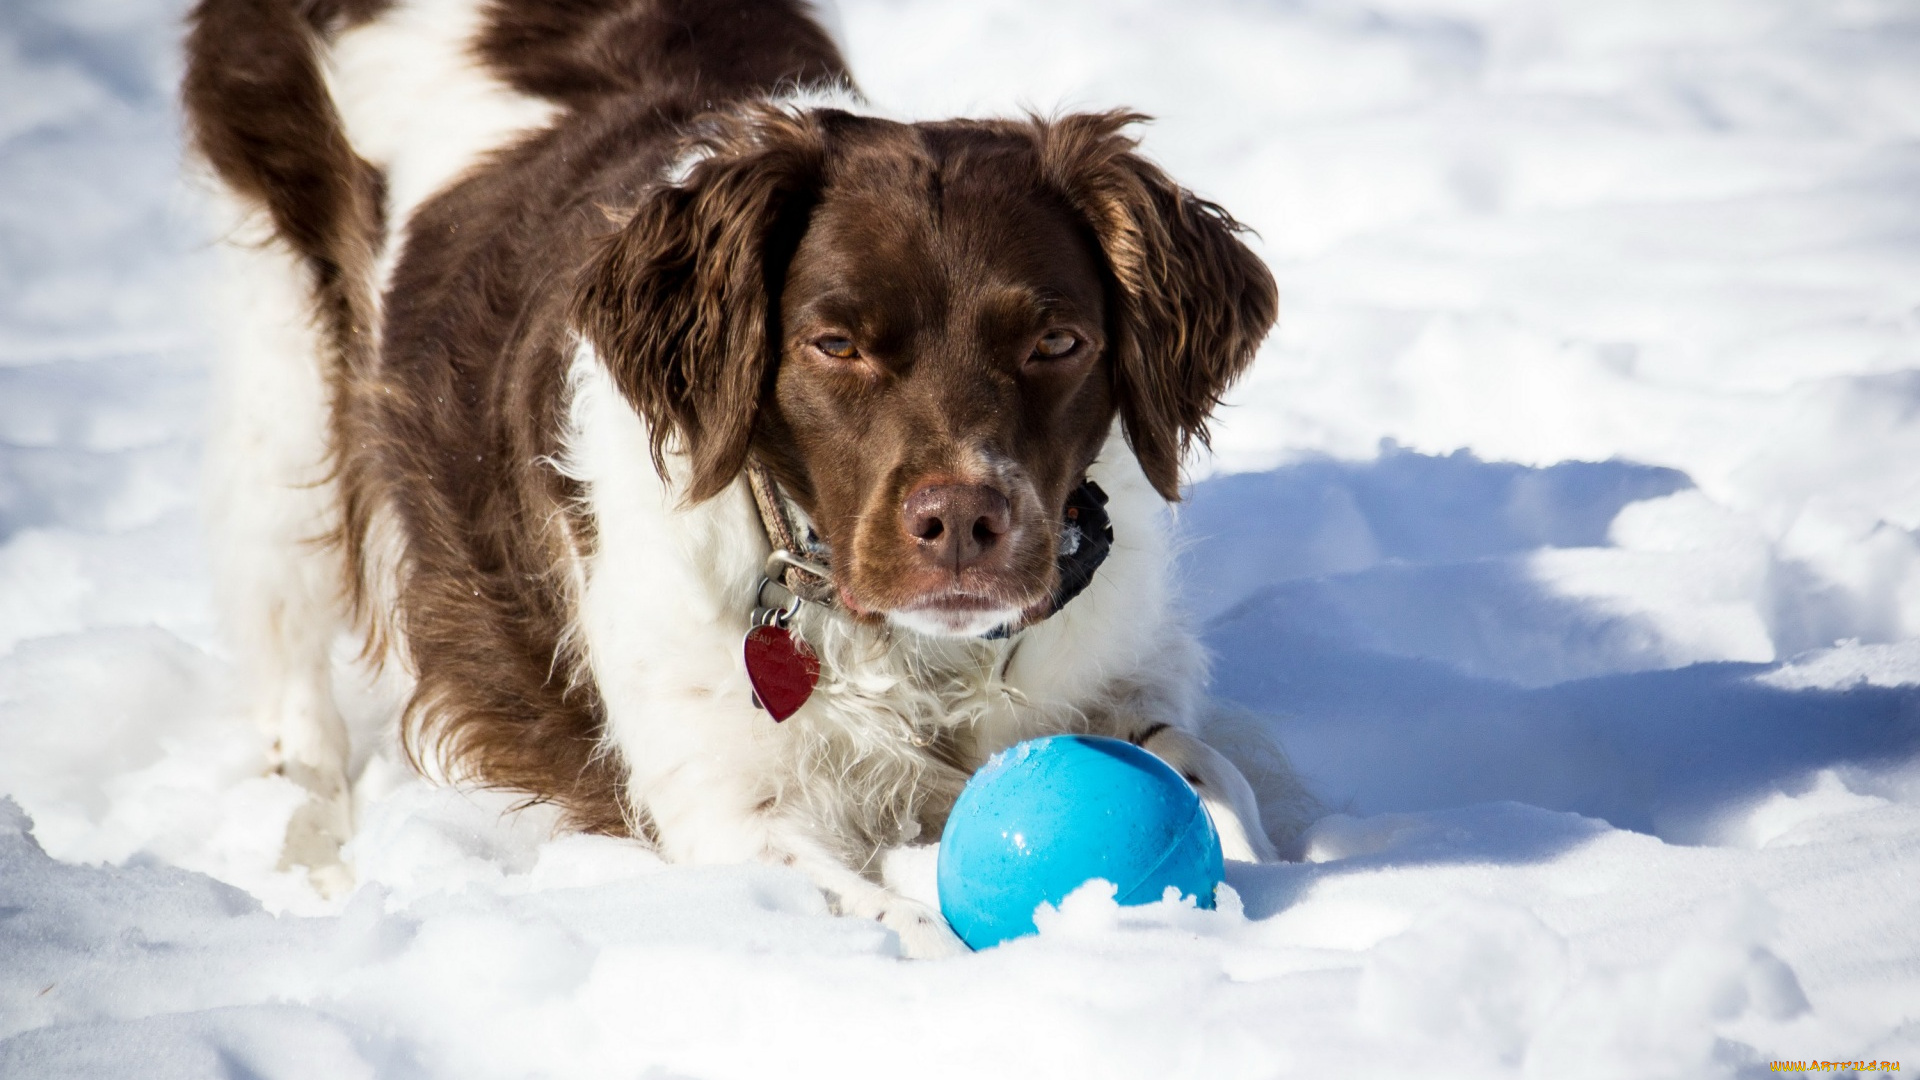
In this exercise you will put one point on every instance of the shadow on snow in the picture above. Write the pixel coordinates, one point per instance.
(1387, 622)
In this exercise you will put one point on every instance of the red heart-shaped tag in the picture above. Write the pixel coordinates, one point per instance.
(782, 668)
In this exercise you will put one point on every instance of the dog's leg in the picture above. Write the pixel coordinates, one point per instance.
(923, 932)
(1223, 791)
(704, 812)
(272, 509)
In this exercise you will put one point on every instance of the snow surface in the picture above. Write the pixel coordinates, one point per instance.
(1565, 536)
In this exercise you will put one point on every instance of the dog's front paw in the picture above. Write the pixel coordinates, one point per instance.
(319, 828)
(924, 934)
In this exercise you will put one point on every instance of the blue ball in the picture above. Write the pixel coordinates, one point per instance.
(1047, 815)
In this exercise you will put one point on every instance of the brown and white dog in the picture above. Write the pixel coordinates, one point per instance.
(528, 292)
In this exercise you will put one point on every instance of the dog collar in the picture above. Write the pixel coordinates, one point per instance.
(784, 669)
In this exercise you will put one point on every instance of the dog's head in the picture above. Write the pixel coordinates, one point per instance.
(925, 332)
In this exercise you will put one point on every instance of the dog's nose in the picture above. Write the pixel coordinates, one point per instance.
(957, 525)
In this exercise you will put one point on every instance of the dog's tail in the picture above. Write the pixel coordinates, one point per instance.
(261, 116)
(259, 112)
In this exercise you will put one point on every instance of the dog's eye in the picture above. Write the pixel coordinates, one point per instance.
(1055, 344)
(838, 347)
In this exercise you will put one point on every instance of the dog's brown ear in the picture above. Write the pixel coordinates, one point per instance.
(677, 302)
(1194, 302)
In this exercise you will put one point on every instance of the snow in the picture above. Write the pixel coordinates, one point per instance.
(1564, 536)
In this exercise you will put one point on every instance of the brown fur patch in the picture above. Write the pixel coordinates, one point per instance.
(1196, 303)
(458, 430)
(689, 52)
